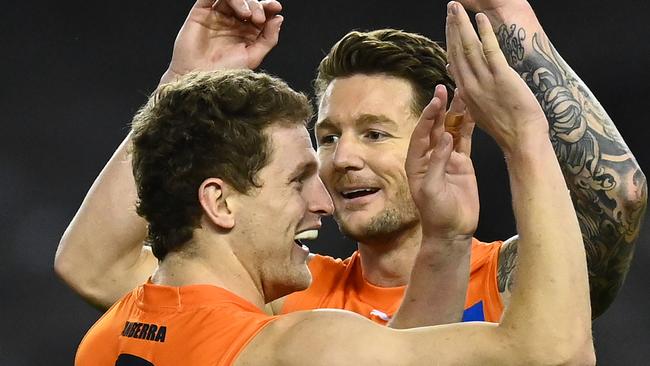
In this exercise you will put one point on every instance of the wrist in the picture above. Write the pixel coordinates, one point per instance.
(529, 152)
(509, 13)
(443, 254)
(452, 243)
(533, 134)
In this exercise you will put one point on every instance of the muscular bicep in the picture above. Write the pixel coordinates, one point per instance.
(103, 291)
(125, 277)
(506, 268)
(101, 254)
(333, 337)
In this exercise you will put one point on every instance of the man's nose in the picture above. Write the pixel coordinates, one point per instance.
(347, 155)
(320, 201)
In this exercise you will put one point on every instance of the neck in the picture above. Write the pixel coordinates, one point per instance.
(208, 262)
(389, 263)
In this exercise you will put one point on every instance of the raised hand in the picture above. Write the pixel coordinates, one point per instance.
(495, 95)
(225, 34)
(487, 5)
(440, 172)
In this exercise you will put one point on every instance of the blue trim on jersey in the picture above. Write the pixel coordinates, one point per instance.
(474, 313)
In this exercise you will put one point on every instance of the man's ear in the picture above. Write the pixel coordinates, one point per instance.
(214, 195)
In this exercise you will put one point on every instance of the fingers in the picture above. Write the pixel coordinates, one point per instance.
(439, 157)
(237, 8)
(491, 49)
(420, 143)
(457, 104)
(440, 142)
(460, 124)
(205, 3)
(271, 7)
(471, 45)
(439, 118)
(454, 117)
(458, 65)
(463, 141)
(428, 132)
(467, 54)
(255, 11)
(263, 10)
(258, 17)
(267, 39)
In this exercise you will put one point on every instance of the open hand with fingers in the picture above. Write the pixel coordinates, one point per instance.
(440, 172)
(486, 5)
(495, 95)
(225, 34)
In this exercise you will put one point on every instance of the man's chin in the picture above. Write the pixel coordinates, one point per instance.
(361, 226)
(353, 224)
(366, 228)
(296, 281)
(307, 280)
(299, 281)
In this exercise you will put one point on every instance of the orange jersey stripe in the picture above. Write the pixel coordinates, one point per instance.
(339, 284)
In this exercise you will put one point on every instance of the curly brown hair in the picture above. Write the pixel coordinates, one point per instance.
(206, 124)
(391, 52)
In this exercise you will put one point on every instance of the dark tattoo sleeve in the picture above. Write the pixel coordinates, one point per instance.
(506, 266)
(511, 40)
(608, 188)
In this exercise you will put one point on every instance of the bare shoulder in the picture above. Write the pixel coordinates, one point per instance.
(312, 337)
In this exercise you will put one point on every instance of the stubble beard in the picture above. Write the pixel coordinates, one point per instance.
(400, 214)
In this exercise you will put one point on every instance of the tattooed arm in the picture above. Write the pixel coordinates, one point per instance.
(607, 185)
(507, 263)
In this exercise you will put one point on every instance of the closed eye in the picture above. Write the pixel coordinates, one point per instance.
(298, 183)
(303, 173)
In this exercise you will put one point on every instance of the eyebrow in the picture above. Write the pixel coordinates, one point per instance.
(363, 120)
(304, 168)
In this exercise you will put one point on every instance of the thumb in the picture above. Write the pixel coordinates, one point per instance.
(439, 158)
(265, 42)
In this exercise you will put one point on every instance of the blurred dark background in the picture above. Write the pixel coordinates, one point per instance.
(76, 71)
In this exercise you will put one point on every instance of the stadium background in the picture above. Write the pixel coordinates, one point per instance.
(74, 72)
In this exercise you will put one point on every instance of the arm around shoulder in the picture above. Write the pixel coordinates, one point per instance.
(335, 337)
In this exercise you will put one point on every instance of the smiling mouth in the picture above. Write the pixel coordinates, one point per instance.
(357, 193)
(305, 235)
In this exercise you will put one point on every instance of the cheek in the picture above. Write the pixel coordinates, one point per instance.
(326, 172)
(390, 166)
(293, 204)
(324, 156)
(390, 152)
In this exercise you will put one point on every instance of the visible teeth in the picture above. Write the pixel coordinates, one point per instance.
(307, 235)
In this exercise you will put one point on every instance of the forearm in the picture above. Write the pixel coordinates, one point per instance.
(607, 185)
(551, 300)
(101, 253)
(438, 284)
